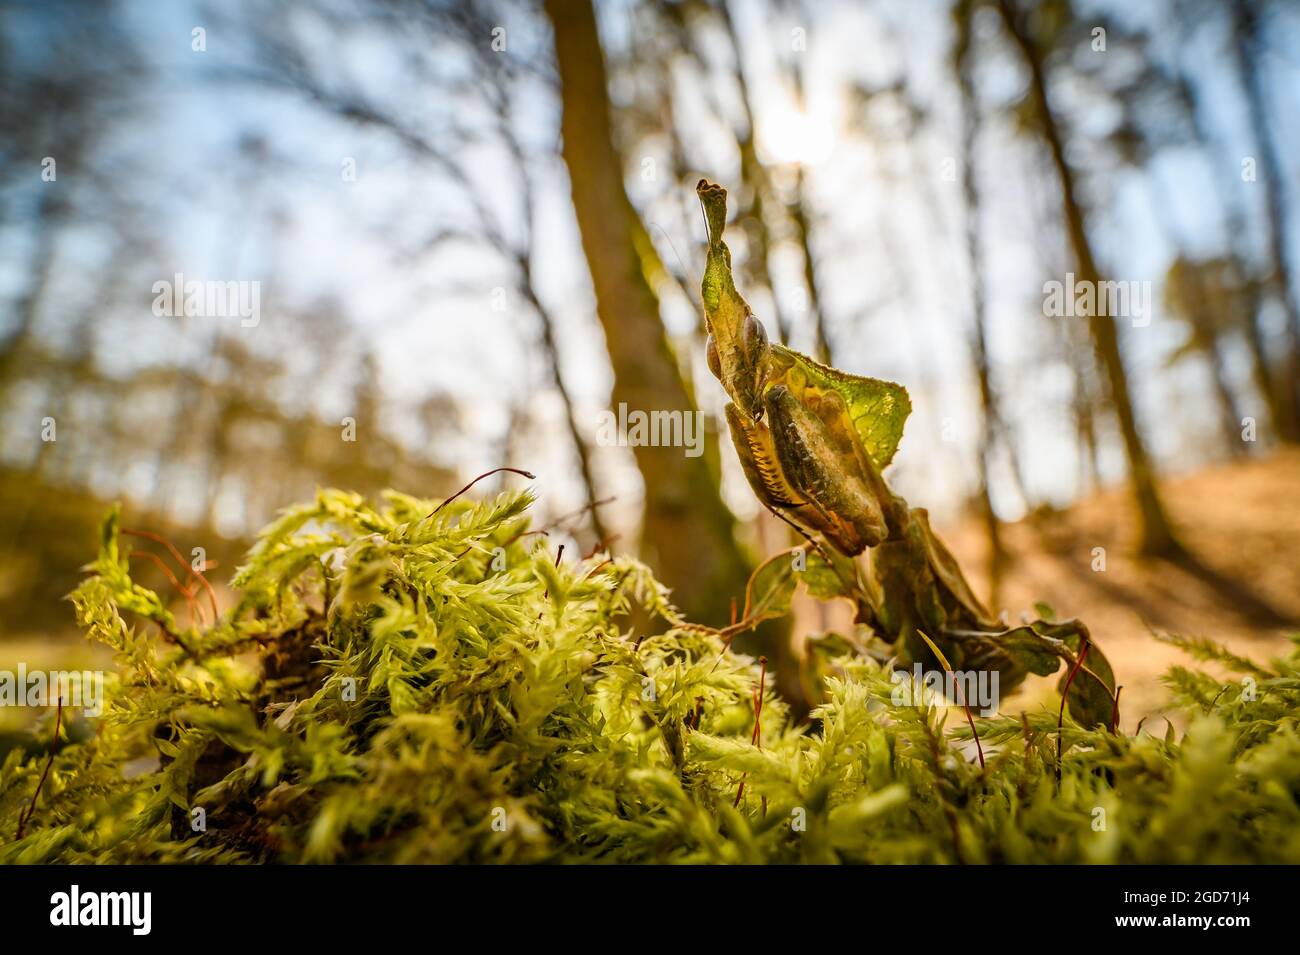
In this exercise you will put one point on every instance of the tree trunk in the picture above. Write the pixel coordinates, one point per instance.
(963, 62)
(687, 531)
(1248, 47)
(580, 449)
(754, 176)
(1204, 330)
(1234, 230)
(822, 349)
(1156, 536)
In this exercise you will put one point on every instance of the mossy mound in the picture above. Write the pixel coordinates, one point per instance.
(397, 684)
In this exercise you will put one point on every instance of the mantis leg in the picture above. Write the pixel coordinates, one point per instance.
(753, 442)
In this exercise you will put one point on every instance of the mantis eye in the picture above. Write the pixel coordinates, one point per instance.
(754, 334)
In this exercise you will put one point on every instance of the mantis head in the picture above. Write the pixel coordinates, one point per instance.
(737, 340)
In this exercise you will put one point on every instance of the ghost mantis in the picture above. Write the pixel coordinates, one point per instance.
(813, 442)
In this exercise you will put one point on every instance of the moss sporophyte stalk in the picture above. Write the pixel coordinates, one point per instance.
(412, 680)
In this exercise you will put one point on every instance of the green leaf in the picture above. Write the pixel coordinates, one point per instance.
(771, 587)
(877, 408)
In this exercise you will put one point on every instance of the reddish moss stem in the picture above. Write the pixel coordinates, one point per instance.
(485, 474)
(1065, 693)
(54, 748)
(176, 555)
(961, 698)
(755, 738)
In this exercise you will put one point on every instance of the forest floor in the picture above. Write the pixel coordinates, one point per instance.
(1240, 520)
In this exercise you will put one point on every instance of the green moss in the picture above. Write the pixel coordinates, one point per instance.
(395, 687)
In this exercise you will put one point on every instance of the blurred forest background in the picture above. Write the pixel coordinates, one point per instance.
(475, 230)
